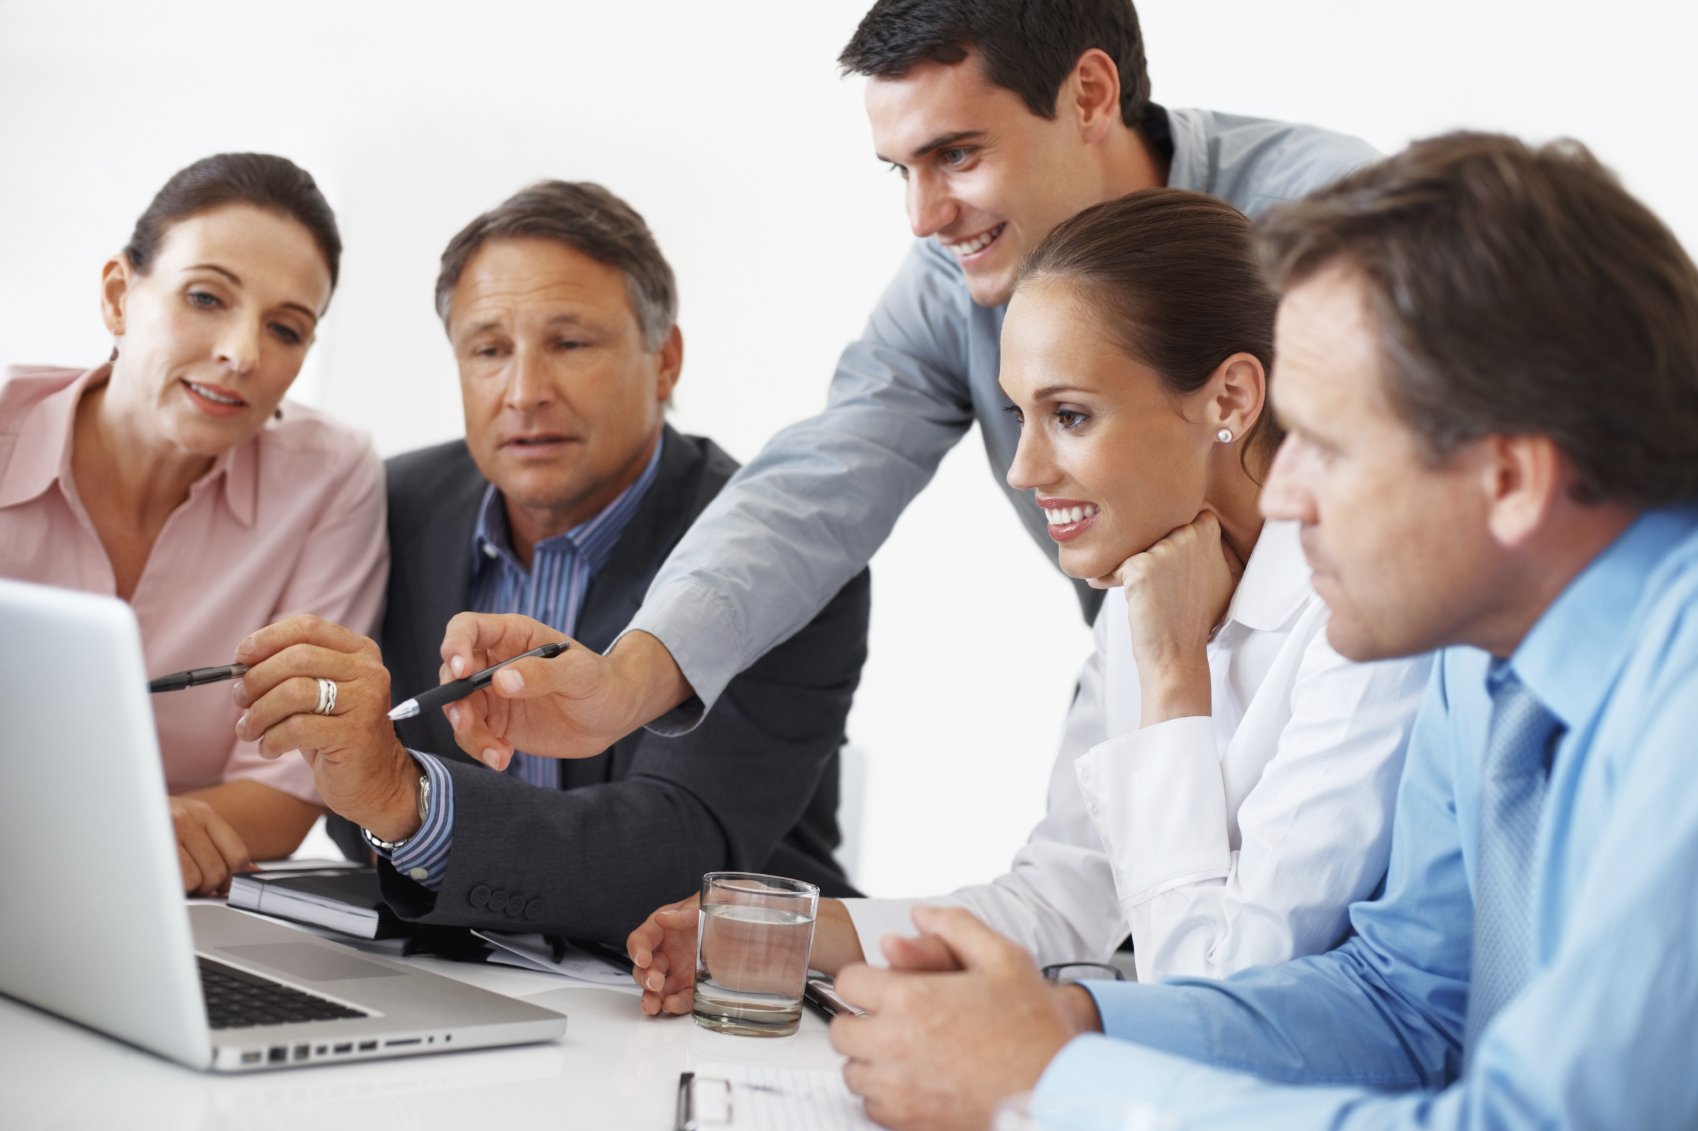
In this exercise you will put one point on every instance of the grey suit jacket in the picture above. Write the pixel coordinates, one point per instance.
(753, 789)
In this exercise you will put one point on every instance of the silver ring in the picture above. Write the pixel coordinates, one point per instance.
(326, 697)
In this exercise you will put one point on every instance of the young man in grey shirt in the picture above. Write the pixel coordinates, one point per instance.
(1004, 118)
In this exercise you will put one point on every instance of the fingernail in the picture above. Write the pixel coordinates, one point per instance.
(239, 693)
(492, 759)
(454, 716)
(511, 681)
(242, 727)
(246, 647)
(457, 666)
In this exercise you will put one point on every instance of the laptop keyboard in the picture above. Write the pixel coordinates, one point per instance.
(236, 999)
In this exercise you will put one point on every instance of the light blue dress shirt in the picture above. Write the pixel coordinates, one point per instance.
(1603, 1035)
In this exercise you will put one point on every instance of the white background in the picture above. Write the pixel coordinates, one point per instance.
(727, 125)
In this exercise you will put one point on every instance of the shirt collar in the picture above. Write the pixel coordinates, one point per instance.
(594, 538)
(1572, 654)
(1275, 581)
(41, 455)
(43, 436)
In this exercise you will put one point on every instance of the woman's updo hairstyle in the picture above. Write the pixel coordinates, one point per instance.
(1177, 286)
(275, 184)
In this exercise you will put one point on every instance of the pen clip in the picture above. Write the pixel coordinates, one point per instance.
(692, 1116)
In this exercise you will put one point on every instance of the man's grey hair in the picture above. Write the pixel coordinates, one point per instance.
(585, 216)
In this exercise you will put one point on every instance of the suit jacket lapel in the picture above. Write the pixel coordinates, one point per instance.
(618, 587)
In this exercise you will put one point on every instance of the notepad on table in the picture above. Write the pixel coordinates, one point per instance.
(343, 899)
(739, 1096)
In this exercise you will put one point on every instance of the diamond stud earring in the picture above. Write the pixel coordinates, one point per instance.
(1224, 436)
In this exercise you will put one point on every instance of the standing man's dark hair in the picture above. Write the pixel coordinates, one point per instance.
(1477, 251)
(585, 216)
(1028, 47)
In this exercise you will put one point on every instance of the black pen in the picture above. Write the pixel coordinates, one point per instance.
(194, 677)
(460, 688)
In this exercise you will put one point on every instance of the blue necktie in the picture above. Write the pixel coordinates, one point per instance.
(1512, 791)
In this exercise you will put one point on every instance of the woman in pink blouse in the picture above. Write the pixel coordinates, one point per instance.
(175, 477)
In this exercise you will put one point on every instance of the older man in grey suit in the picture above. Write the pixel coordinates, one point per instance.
(559, 507)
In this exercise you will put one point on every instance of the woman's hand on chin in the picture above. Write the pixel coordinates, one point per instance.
(1177, 591)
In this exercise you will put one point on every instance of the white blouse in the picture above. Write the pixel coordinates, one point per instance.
(1221, 842)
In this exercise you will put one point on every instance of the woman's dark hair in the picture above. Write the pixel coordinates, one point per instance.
(1517, 291)
(1175, 280)
(275, 184)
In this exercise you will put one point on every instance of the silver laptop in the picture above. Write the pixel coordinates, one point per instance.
(93, 924)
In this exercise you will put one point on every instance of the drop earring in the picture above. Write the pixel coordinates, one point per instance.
(1224, 436)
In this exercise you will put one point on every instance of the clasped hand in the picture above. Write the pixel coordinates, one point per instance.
(961, 1019)
(1177, 592)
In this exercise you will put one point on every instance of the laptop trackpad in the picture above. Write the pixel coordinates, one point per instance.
(310, 963)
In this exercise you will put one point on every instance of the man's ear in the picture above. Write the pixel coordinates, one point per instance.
(1522, 477)
(670, 365)
(1238, 392)
(1093, 90)
(115, 280)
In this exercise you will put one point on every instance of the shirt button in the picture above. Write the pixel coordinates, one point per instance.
(419, 874)
(479, 896)
(490, 551)
(497, 900)
(515, 907)
(533, 909)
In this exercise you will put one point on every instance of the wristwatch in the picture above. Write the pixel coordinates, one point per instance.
(424, 807)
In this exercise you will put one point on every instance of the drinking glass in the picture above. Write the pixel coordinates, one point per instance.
(753, 936)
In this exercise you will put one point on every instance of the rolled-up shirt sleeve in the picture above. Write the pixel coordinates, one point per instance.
(808, 513)
(1205, 895)
(1057, 898)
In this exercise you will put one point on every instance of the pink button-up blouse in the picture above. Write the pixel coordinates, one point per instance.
(292, 521)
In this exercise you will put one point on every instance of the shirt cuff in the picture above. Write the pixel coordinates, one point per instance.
(875, 918)
(1158, 801)
(423, 857)
(1094, 1065)
(693, 624)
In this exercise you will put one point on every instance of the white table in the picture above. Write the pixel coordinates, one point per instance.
(615, 1068)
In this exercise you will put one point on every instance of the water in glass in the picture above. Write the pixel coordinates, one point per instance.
(751, 965)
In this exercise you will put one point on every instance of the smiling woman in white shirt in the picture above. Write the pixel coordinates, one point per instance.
(1225, 782)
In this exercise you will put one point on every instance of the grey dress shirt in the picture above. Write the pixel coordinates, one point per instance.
(810, 510)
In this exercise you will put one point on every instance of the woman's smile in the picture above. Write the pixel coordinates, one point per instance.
(1069, 518)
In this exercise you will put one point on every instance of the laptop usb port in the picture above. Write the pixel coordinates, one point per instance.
(345, 1046)
(278, 1054)
(252, 1056)
(302, 1051)
(403, 1041)
(368, 1046)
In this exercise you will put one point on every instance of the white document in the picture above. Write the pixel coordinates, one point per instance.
(534, 952)
(739, 1096)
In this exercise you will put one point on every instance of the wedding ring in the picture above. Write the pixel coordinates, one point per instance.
(326, 697)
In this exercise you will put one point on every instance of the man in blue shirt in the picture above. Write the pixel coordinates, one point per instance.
(1488, 363)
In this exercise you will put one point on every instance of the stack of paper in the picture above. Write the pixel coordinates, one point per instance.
(776, 1099)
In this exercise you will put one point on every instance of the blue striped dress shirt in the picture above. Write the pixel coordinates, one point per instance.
(551, 591)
